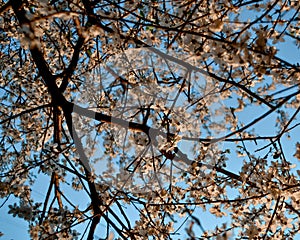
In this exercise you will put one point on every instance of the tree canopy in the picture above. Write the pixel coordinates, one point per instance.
(149, 117)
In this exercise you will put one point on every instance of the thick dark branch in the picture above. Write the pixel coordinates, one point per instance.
(114, 120)
(151, 132)
(47, 199)
(57, 191)
(37, 55)
(72, 66)
(58, 100)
